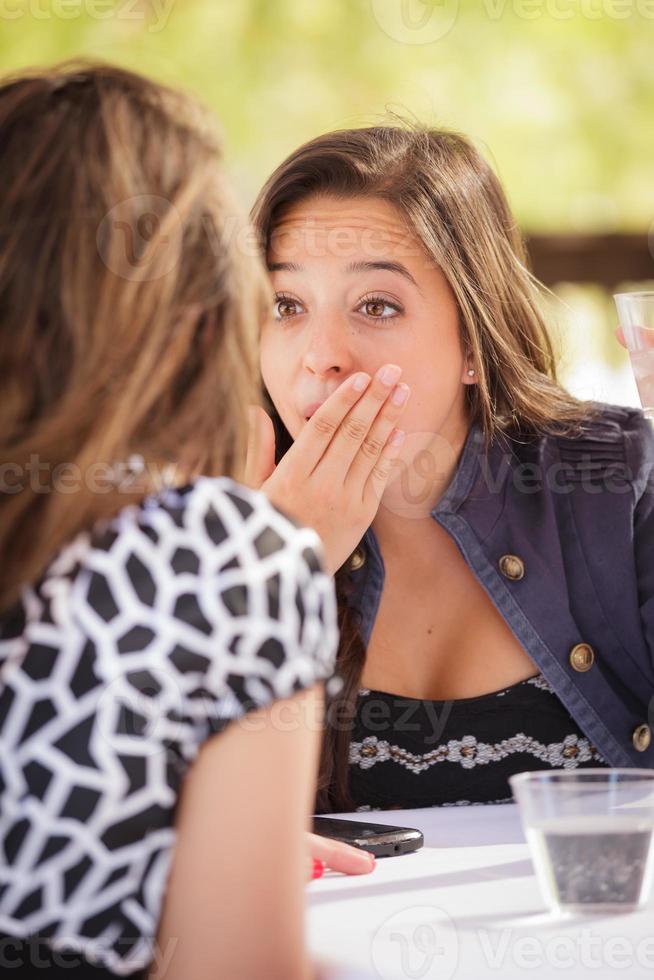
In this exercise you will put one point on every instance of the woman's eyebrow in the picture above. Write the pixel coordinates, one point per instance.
(284, 267)
(383, 267)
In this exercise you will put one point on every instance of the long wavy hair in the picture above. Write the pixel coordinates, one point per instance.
(455, 207)
(129, 318)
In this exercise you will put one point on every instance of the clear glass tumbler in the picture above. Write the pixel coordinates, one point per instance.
(590, 833)
(636, 317)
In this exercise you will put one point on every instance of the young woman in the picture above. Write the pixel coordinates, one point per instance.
(148, 602)
(497, 607)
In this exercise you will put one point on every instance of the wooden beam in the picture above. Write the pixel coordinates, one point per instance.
(607, 260)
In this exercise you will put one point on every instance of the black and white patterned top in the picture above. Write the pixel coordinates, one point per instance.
(144, 637)
(407, 752)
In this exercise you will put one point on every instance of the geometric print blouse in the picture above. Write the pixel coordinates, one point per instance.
(143, 637)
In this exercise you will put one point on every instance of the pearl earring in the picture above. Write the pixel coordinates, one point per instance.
(471, 371)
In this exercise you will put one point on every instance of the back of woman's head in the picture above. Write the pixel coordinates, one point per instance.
(129, 308)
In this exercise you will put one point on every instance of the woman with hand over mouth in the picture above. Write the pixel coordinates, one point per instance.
(489, 533)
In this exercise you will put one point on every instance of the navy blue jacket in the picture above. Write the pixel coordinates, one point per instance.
(560, 533)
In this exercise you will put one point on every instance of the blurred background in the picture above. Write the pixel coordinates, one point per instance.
(558, 95)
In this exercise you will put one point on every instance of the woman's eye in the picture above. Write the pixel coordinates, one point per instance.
(285, 307)
(379, 309)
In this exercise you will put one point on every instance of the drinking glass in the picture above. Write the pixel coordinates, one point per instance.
(590, 833)
(636, 317)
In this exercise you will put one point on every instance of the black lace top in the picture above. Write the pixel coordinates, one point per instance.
(408, 753)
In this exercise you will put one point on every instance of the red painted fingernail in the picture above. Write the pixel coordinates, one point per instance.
(318, 868)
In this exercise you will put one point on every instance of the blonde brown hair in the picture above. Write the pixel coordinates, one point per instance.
(457, 211)
(129, 315)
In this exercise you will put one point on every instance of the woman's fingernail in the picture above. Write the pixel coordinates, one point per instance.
(389, 374)
(400, 394)
(397, 438)
(318, 868)
(372, 859)
(360, 381)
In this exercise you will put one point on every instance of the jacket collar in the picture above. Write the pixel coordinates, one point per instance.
(478, 479)
(464, 476)
(477, 488)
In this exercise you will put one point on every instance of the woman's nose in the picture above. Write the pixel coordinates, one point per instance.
(329, 348)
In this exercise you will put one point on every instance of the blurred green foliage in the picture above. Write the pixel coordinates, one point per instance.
(559, 94)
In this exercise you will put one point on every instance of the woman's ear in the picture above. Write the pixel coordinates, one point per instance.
(469, 373)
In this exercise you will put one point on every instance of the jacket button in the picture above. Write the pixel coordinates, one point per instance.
(357, 560)
(641, 737)
(582, 657)
(512, 567)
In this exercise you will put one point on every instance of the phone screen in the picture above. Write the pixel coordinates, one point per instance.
(348, 830)
(380, 839)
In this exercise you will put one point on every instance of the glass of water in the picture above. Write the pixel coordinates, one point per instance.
(636, 317)
(590, 833)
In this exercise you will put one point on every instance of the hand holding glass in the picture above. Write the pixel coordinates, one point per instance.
(636, 318)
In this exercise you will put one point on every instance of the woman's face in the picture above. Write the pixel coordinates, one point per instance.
(354, 290)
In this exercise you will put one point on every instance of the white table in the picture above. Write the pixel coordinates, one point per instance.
(465, 906)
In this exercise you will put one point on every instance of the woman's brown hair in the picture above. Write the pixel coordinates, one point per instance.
(456, 209)
(130, 310)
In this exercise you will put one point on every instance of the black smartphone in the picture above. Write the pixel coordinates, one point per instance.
(378, 838)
